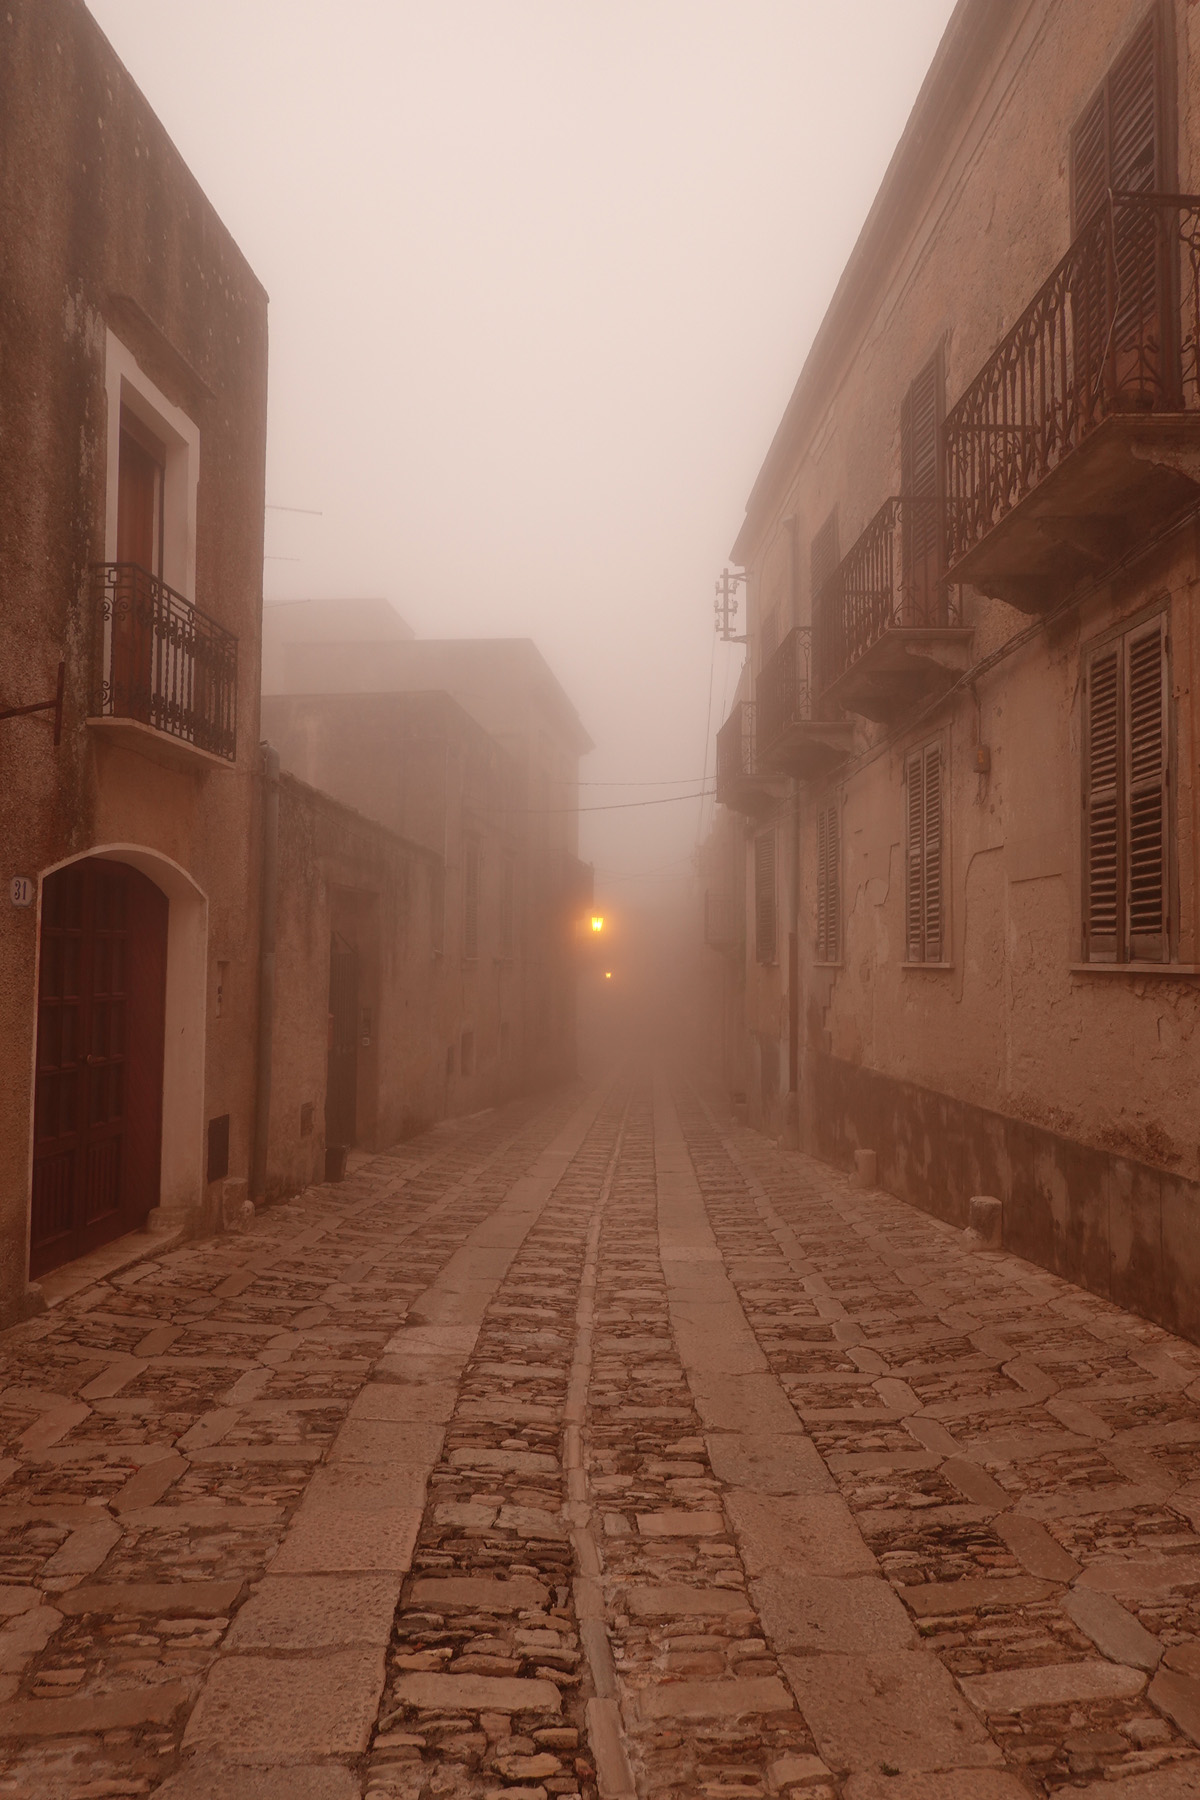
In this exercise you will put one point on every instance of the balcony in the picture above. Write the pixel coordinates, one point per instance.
(167, 674)
(792, 737)
(888, 631)
(741, 785)
(1080, 436)
(721, 928)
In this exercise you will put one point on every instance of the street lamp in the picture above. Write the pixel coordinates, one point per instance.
(597, 923)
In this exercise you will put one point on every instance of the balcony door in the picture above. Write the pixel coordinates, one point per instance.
(920, 493)
(1124, 356)
(140, 484)
(98, 1097)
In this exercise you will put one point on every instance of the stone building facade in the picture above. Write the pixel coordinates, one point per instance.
(963, 758)
(133, 359)
(471, 747)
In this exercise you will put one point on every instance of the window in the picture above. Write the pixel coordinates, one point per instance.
(470, 944)
(508, 887)
(923, 888)
(437, 908)
(768, 637)
(823, 554)
(765, 930)
(1118, 143)
(920, 483)
(829, 884)
(153, 452)
(1126, 798)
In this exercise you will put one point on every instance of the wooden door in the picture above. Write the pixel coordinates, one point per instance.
(140, 481)
(98, 1094)
(341, 1085)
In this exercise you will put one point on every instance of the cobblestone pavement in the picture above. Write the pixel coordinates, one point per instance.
(595, 1448)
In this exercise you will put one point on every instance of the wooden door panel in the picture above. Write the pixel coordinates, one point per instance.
(98, 1098)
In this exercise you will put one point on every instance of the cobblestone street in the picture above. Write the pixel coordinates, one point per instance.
(593, 1446)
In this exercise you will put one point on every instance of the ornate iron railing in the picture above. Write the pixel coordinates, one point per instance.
(735, 749)
(161, 662)
(1115, 329)
(889, 580)
(785, 687)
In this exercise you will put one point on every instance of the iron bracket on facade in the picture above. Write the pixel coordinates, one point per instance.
(54, 706)
(725, 606)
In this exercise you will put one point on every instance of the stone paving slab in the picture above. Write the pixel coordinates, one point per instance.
(601, 1450)
(288, 1708)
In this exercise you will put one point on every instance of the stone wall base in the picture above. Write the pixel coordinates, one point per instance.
(1119, 1228)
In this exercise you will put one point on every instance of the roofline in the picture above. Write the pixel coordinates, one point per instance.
(975, 27)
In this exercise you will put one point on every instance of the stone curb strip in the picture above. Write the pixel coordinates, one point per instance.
(881, 1699)
(282, 1681)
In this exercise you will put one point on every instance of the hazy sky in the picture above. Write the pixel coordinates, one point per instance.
(542, 275)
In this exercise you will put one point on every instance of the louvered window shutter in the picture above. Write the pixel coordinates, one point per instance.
(1134, 114)
(1117, 142)
(1101, 805)
(829, 896)
(1148, 799)
(764, 897)
(932, 860)
(914, 898)
(1089, 162)
(920, 416)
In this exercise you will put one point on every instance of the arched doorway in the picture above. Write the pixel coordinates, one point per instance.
(101, 1017)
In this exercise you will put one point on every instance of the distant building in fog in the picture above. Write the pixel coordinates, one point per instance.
(964, 751)
(470, 748)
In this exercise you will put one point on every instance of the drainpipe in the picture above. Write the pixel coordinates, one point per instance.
(268, 896)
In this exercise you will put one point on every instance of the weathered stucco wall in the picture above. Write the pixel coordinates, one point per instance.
(1012, 1031)
(339, 871)
(105, 230)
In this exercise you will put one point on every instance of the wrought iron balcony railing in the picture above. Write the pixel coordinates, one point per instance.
(889, 581)
(161, 662)
(1115, 329)
(735, 751)
(785, 688)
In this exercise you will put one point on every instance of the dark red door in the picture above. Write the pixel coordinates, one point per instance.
(98, 1099)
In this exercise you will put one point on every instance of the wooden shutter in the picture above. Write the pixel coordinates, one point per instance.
(920, 417)
(829, 896)
(1148, 799)
(925, 855)
(1101, 805)
(914, 896)
(764, 897)
(931, 899)
(1117, 142)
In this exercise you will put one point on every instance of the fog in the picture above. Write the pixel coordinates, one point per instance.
(542, 276)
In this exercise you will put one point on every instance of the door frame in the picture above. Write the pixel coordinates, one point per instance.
(181, 1169)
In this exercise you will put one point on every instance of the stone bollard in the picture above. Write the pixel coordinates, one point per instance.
(866, 1169)
(987, 1221)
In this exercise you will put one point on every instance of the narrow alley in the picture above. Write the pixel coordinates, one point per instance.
(594, 1446)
